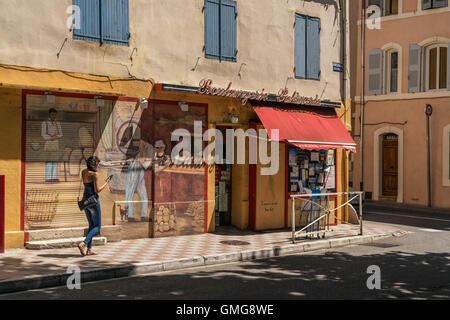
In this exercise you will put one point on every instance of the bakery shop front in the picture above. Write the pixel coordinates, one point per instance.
(292, 144)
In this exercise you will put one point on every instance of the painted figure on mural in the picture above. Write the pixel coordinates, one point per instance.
(52, 133)
(161, 159)
(135, 182)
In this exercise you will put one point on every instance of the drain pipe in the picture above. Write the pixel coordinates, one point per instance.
(363, 76)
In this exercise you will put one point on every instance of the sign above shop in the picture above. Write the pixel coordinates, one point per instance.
(283, 96)
(205, 87)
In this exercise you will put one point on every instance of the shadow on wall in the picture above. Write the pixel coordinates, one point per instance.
(327, 4)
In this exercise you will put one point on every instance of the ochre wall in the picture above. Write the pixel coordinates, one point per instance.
(10, 163)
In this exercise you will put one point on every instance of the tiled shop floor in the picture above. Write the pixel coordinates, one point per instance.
(22, 263)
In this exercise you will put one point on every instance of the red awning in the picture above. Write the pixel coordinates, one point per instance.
(307, 129)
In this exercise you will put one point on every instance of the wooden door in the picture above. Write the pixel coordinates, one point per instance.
(390, 165)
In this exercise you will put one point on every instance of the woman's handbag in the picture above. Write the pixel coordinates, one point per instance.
(88, 203)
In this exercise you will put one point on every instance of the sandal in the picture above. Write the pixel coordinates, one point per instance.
(91, 252)
(82, 247)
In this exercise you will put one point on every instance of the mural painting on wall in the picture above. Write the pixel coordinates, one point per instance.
(61, 135)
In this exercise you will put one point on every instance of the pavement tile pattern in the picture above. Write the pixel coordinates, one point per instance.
(22, 263)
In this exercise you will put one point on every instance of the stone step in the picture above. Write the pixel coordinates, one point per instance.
(112, 233)
(62, 243)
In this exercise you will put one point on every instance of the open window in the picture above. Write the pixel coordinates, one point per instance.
(436, 67)
(392, 71)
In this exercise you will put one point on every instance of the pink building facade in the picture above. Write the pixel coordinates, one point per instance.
(406, 68)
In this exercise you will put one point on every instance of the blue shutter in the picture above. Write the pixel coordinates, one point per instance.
(300, 47)
(115, 22)
(228, 30)
(313, 48)
(90, 20)
(212, 29)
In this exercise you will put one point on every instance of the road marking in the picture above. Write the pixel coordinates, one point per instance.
(401, 215)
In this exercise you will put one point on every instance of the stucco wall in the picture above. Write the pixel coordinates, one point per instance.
(414, 131)
(169, 37)
(10, 162)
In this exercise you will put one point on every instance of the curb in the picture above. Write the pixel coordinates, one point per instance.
(56, 280)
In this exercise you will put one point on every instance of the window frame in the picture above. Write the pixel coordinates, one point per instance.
(386, 4)
(426, 66)
(388, 69)
(220, 57)
(306, 17)
(100, 39)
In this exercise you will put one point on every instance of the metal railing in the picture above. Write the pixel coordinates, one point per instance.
(317, 221)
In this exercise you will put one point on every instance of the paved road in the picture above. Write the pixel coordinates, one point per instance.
(414, 266)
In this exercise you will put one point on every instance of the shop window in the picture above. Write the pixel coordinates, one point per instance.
(392, 71)
(311, 170)
(432, 4)
(220, 29)
(436, 67)
(307, 47)
(103, 21)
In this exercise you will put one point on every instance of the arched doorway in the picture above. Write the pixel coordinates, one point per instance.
(389, 157)
(388, 163)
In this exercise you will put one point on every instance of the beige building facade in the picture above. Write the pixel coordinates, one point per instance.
(137, 82)
(406, 68)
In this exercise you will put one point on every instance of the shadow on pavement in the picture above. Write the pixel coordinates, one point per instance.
(330, 275)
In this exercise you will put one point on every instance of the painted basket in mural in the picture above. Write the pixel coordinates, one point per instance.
(40, 207)
(196, 210)
(165, 219)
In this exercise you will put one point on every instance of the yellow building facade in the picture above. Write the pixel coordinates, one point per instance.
(98, 91)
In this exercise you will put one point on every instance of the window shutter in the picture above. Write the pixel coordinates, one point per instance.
(448, 67)
(313, 48)
(426, 4)
(375, 72)
(300, 47)
(90, 20)
(440, 3)
(378, 3)
(115, 22)
(414, 68)
(212, 29)
(228, 30)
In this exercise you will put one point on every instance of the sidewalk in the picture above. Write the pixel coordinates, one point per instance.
(23, 269)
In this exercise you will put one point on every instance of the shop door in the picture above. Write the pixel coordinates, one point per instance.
(223, 189)
(390, 165)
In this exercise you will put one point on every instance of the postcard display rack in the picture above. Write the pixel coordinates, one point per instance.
(312, 172)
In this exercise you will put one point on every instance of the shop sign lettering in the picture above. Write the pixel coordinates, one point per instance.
(205, 87)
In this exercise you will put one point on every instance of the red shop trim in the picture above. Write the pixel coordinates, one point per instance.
(26, 92)
(2, 214)
(252, 191)
(205, 127)
(286, 185)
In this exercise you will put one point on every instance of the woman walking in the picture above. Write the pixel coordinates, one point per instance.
(93, 214)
